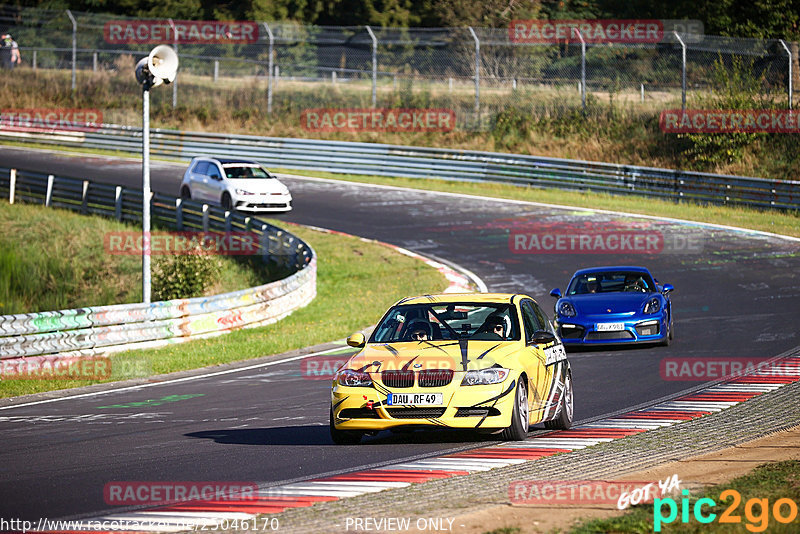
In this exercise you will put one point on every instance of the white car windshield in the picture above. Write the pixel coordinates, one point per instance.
(240, 171)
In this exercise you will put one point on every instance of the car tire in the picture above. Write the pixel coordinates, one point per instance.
(564, 419)
(344, 437)
(226, 202)
(518, 430)
(186, 193)
(668, 338)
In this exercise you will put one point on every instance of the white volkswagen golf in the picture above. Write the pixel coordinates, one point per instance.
(235, 184)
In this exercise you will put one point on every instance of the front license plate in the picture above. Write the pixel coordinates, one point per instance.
(609, 327)
(414, 399)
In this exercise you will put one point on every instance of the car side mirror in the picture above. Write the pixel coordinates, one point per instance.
(542, 337)
(667, 288)
(357, 340)
(556, 293)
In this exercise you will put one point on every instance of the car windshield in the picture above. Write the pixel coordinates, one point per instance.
(239, 171)
(611, 282)
(434, 322)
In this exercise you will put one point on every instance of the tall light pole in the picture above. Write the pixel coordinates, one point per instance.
(161, 66)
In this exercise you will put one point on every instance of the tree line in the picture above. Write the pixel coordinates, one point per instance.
(762, 19)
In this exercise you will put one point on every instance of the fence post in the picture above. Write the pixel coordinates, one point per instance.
(74, 45)
(783, 43)
(48, 197)
(477, 70)
(269, 68)
(216, 70)
(583, 70)
(205, 217)
(683, 72)
(175, 81)
(374, 66)
(34, 59)
(118, 203)
(12, 185)
(85, 197)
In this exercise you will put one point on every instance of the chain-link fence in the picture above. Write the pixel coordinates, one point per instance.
(476, 72)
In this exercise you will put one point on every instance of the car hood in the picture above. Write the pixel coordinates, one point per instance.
(265, 185)
(609, 303)
(458, 355)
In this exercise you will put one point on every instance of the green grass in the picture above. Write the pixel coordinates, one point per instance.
(54, 259)
(356, 282)
(774, 481)
(548, 122)
(785, 223)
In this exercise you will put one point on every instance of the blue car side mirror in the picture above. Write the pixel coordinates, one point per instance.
(556, 293)
(668, 288)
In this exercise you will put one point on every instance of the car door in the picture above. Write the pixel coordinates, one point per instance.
(199, 181)
(216, 183)
(540, 375)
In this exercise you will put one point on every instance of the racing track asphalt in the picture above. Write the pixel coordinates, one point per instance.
(737, 295)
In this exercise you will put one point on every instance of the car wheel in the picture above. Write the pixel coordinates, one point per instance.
(186, 194)
(344, 437)
(668, 338)
(226, 202)
(564, 419)
(518, 430)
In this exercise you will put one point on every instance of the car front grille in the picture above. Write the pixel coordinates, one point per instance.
(477, 412)
(415, 413)
(572, 333)
(608, 336)
(398, 379)
(648, 330)
(434, 378)
(358, 413)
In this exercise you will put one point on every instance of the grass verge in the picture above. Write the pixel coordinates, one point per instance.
(55, 259)
(356, 282)
(766, 484)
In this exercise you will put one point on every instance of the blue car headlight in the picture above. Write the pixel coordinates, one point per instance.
(653, 306)
(566, 309)
(482, 377)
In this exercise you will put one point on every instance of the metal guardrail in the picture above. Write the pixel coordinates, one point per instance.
(421, 162)
(104, 329)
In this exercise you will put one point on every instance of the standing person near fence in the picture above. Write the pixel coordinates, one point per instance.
(9, 52)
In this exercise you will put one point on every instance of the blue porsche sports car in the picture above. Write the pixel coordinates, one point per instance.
(604, 305)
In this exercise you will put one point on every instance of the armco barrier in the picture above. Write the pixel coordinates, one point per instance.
(103, 329)
(420, 162)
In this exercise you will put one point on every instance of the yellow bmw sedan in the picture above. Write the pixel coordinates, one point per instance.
(489, 362)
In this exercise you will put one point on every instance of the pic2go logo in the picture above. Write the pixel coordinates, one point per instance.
(756, 511)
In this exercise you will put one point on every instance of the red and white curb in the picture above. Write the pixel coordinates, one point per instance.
(185, 516)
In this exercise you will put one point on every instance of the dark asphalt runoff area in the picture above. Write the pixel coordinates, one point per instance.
(737, 296)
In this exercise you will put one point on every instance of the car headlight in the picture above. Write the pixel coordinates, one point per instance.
(482, 377)
(348, 377)
(566, 309)
(653, 305)
(244, 192)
